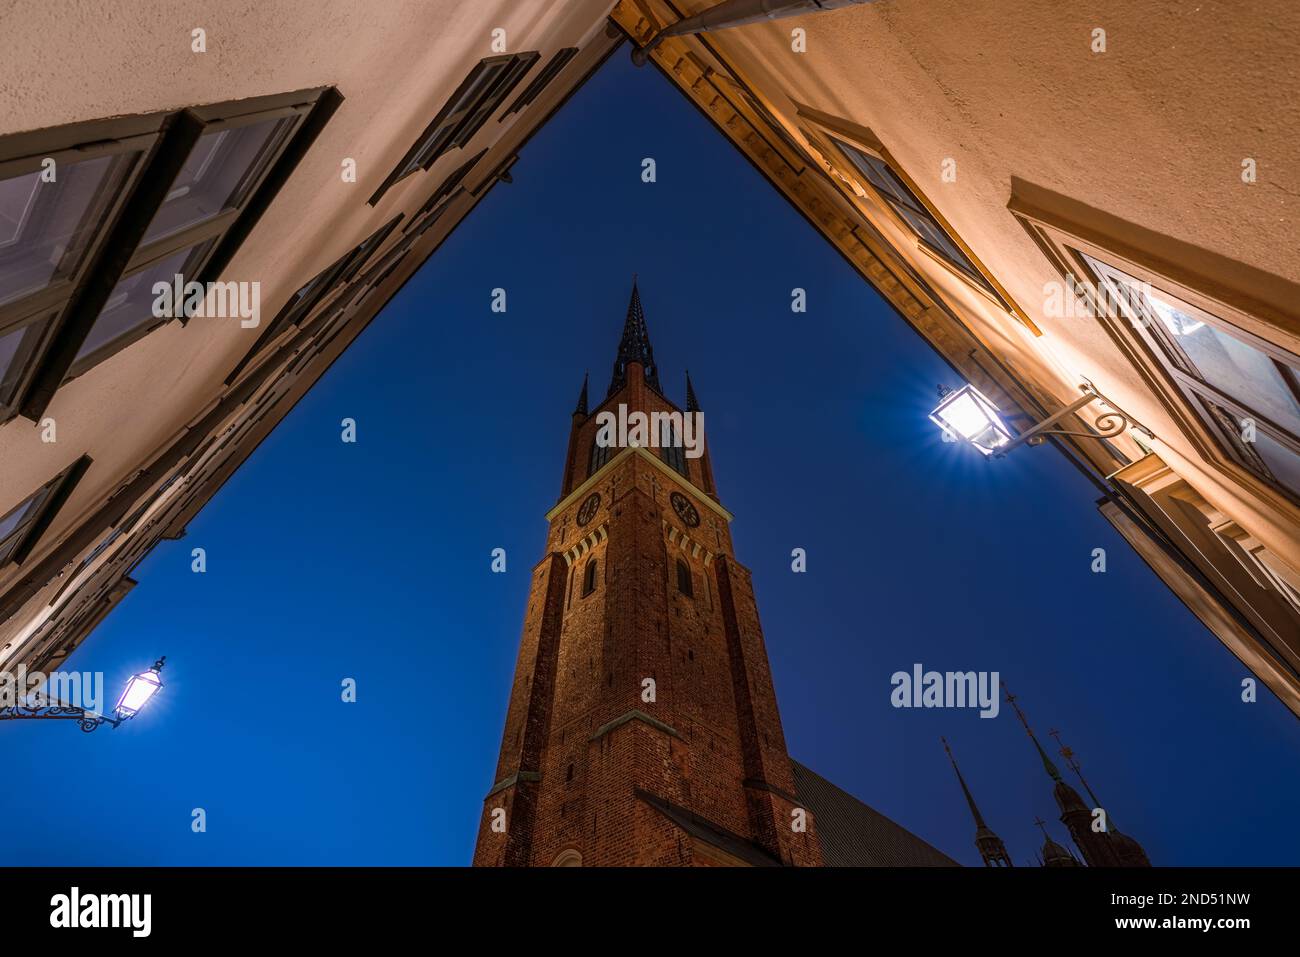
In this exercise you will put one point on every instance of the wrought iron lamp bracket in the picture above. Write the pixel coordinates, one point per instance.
(1109, 424)
(44, 709)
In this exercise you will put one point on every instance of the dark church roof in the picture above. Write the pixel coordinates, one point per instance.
(854, 835)
(851, 834)
(705, 830)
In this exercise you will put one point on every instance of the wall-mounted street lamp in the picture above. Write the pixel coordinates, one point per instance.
(139, 690)
(969, 416)
(737, 13)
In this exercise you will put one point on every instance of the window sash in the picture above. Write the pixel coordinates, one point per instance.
(319, 296)
(888, 186)
(1221, 412)
(554, 66)
(132, 151)
(35, 513)
(191, 267)
(131, 194)
(479, 95)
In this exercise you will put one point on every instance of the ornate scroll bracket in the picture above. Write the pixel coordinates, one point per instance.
(1108, 424)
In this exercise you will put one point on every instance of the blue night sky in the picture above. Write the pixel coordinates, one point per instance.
(371, 561)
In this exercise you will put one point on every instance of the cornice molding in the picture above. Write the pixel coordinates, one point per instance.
(654, 460)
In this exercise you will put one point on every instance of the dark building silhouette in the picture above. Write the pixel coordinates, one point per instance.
(992, 851)
(1101, 845)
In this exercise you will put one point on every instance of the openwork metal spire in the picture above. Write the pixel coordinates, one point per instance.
(634, 347)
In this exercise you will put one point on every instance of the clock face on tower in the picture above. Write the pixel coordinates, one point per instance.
(684, 509)
(588, 510)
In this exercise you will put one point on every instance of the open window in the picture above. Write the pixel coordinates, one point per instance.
(302, 304)
(1217, 340)
(475, 100)
(892, 201)
(1245, 389)
(22, 526)
(93, 215)
(448, 187)
(877, 174)
(548, 73)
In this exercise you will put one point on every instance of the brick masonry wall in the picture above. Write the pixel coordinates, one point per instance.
(710, 741)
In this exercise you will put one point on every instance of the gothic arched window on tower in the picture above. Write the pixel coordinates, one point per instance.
(589, 578)
(599, 456)
(674, 455)
(684, 579)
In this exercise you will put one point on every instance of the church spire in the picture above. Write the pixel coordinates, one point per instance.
(992, 850)
(1073, 765)
(582, 398)
(692, 403)
(1096, 847)
(1048, 766)
(634, 347)
(1053, 854)
(1128, 850)
(975, 811)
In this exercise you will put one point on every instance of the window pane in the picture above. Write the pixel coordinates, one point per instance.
(45, 228)
(936, 238)
(16, 349)
(457, 120)
(214, 177)
(130, 304)
(1281, 461)
(895, 192)
(540, 82)
(880, 176)
(9, 522)
(1227, 363)
(13, 519)
(9, 343)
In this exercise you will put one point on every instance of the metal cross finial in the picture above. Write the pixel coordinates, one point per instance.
(1065, 751)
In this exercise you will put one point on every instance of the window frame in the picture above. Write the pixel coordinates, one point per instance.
(598, 451)
(842, 133)
(1209, 401)
(1254, 306)
(590, 576)
(553, 68)
(685, 578)
(70, 308)
(51, 305)
(915, 202)
(673, 452)
(327, 285)
(449, 188)
(467, 121)
(28, 532)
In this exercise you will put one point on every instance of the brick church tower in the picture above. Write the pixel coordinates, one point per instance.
(643, 727)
